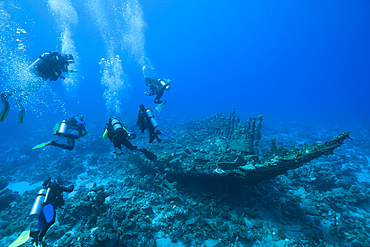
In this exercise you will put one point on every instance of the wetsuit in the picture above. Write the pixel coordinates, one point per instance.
(76, 128)
(119, 136)
(48, 213)
(156, 88)
(144, 123)
(50, 67)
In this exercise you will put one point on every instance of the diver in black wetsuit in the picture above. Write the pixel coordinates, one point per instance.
(53, 200)
(72, 128)
(49, 65)
(157, 87)
(119, 136)
(145, 120)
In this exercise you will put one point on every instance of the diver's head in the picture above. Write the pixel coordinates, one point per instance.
(48, 181)
(147, 80)
(80, 116)
(141, 107)
(68, 58)
(168, 88)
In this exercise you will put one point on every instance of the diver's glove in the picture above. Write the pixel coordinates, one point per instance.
(131, 136)
(147, 94)
(84, 132)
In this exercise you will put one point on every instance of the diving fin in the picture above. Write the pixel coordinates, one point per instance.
(117, 151)
(42, 144)
(6, 108)
(21, 116)
(160, 106)
(152, 157)
(23, 238)
(55, 129)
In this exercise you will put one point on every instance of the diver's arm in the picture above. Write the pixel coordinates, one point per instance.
(139, 119)
(67, 189)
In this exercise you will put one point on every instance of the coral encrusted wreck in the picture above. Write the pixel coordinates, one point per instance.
(225, 147)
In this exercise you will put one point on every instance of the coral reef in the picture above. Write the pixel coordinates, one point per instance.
(128, 201)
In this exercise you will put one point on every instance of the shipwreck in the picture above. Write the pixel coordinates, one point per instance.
(225, 147)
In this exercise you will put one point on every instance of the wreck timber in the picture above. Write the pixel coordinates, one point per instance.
(220, 147)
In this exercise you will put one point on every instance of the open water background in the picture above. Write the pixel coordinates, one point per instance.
(303, 65)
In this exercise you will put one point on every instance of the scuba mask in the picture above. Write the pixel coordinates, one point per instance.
(68, 58)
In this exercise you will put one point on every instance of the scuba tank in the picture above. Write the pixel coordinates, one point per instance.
(164, 82)
(68, 123)
(39, 60)
(38, 203)
(151, 117)
(35, 64)
(63, 127)
(116, 124)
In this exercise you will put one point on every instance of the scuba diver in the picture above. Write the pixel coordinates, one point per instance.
(146, 120)
(47, 211)
(118, 135)
(157, 87)
(44, 208)
(49, 65)
(72, 128)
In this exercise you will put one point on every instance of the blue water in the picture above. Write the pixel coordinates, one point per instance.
(285, 60)
(301, 62)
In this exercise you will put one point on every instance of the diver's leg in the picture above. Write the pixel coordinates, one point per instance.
(127, 144)
(72, 133)
(6, 108)
(151, 134)
(26, 91)
(41, 221)
(22, 112)
(157, 136)
(29, 89)
(4, 100)
(157, 99)
(69, 146)
(117, 145)
(13, 91)
(49, 212)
